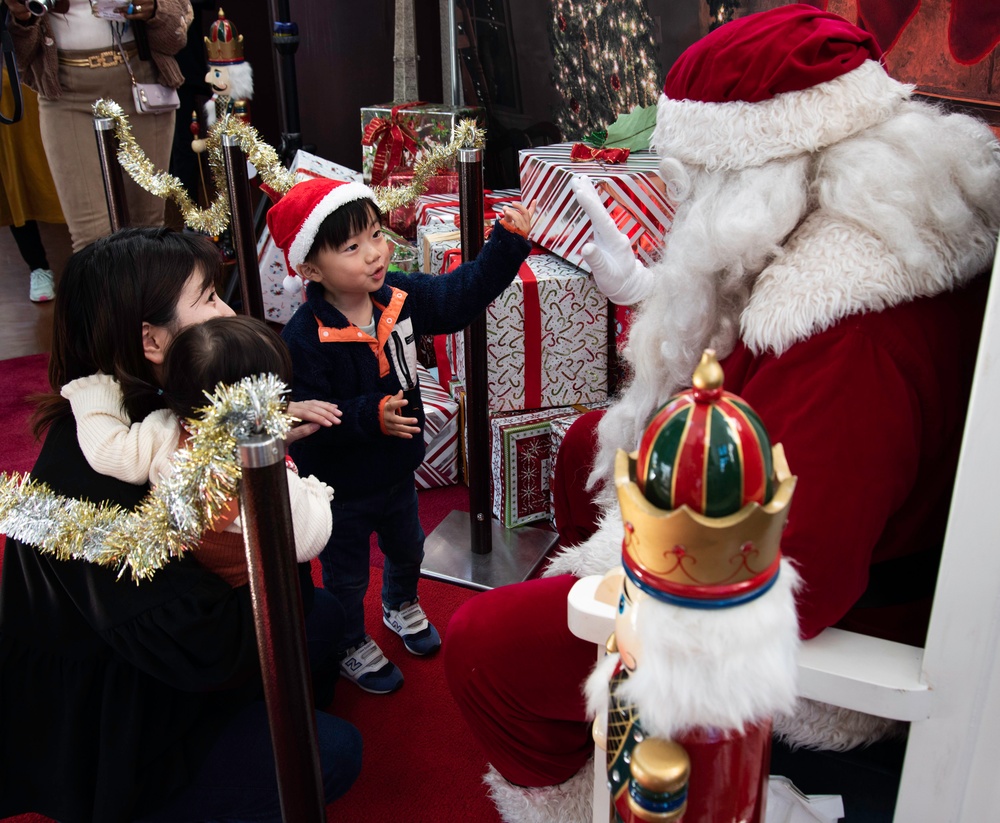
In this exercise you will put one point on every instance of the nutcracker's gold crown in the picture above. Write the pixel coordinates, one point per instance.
(224, 45)
(687, 558)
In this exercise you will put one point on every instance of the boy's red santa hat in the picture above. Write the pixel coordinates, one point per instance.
(773, 85)
(295, 219)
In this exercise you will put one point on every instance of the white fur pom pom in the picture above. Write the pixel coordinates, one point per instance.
(292, 284)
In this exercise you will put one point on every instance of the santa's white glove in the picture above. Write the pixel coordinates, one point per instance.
(620, 277)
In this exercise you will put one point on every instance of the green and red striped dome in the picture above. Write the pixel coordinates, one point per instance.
(707, 449)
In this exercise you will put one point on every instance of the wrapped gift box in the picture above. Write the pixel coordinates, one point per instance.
(417, 127)
(440, 465)
(439, 208)
(520, 460)
(546, 340)
(633, 193)
(443, 183)
(279, 305)
(432, 243)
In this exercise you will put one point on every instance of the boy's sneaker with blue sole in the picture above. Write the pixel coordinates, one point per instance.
(367, 667)
(410, 623)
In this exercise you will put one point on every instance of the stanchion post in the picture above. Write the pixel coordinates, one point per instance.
(470, 196)
(111, 172)
(285, 39)
(244, 240)
(279, 621)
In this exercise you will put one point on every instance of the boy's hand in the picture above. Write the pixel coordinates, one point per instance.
(394, 423)
(315, 411)
(517, 218)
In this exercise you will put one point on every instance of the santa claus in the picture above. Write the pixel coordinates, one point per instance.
(830, 231)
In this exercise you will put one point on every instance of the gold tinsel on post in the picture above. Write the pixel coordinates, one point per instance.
(172, 517)
(215, 218)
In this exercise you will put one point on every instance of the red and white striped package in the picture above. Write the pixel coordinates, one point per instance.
(433, 209)
(633, 193)
(440, 466)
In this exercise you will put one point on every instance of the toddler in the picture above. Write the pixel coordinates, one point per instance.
(220, 350)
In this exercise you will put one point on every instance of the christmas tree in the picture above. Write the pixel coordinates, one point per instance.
(605, 62)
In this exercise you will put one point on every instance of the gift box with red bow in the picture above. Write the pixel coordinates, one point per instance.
(395, 135)
(443, 183)
(633, 193)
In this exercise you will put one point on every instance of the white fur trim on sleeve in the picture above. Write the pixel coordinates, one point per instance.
(739, 135)
(328, 205)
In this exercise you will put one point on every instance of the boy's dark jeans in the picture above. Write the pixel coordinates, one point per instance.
(392, 514)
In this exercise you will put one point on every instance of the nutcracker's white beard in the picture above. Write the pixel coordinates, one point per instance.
(730, 226)
(717, 668)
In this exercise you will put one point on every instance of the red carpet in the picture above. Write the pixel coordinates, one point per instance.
(421, 765)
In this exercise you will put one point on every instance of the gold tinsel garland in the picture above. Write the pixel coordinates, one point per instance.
(172, 517)
(215, 218)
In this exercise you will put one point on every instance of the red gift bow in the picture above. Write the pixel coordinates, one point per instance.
(390, 138)
(581, 153)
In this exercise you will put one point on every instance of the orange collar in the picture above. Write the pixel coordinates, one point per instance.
(352, 334)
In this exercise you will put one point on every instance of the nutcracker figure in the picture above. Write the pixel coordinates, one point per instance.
(705, 638)
(229, 75)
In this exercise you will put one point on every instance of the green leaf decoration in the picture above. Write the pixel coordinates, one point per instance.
(596, 138)
(633, 130)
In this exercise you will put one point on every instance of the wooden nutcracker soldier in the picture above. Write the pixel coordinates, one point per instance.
(229, 75)
(705, 638)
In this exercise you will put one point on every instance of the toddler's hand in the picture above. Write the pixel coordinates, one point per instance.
(394, 424)
(315, 411)
(517, 218)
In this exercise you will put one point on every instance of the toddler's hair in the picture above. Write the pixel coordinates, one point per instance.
(342, 223)
(220, 350)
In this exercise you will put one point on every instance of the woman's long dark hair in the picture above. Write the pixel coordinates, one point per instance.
(220, 350)
(107, 291)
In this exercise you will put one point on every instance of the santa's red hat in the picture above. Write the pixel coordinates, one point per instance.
(295, 219)
(773, 85)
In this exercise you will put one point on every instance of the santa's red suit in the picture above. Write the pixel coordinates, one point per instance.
(828, 247)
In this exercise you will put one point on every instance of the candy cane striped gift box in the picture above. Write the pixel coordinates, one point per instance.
(440, 466)
(633, 193)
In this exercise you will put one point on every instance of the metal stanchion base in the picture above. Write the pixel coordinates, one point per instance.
(516, 554)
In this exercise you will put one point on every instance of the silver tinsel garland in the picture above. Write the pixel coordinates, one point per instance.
(172, 517)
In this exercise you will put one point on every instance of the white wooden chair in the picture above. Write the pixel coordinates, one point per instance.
(949, 691)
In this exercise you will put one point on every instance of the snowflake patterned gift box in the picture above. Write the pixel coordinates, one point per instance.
(520, 455)
(279, 305)
(401, 134)
(440, 465)
(633, 193)
(546, 340)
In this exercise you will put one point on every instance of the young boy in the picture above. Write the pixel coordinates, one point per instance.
(353, 344)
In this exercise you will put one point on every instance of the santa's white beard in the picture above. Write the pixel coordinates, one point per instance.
(731, 226)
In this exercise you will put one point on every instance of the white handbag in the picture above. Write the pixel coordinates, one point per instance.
(149, 98)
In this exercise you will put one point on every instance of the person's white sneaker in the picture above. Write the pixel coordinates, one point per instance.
(43, 286)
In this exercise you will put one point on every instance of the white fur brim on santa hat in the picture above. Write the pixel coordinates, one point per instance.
(739, 135)
(306, 235)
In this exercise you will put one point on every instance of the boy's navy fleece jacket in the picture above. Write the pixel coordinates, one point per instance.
(359, 373)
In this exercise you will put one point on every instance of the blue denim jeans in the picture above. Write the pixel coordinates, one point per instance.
(392, 514)
(237, 783)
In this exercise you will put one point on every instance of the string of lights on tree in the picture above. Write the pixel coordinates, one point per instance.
(605, 62)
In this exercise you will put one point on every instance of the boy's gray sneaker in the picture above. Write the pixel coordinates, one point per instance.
(370, 669)
(410, 623)
(43, 286)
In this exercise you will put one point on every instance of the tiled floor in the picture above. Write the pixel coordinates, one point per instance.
(25, 327)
